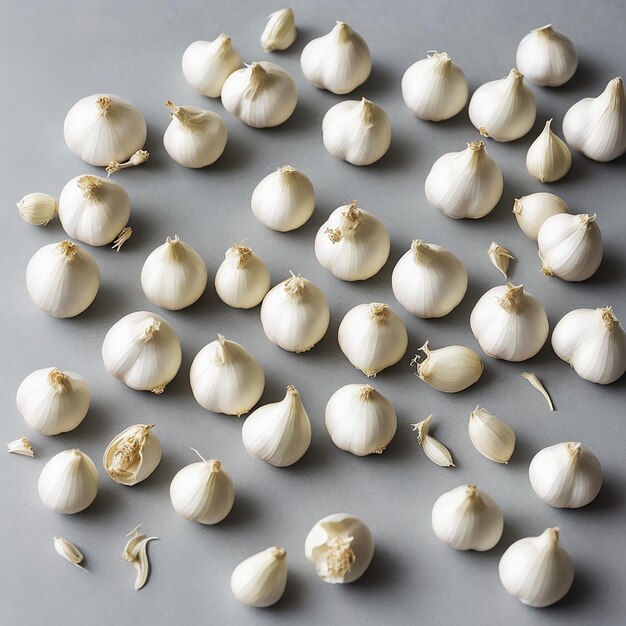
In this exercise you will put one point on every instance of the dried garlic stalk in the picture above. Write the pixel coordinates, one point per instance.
(500, 258)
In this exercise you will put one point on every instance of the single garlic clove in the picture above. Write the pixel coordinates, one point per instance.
(433, 449)
(37, 208)
(136, 553)
(280, 31)
(500, 258)
(21, 446)
(533, 210)
(536, 383)
(548, 158)
(67, 550)
(261, 579)
(494, 439)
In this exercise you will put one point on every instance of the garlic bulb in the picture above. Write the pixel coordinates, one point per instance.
(295, 314)
(21, 446)
(174, 275)
(360, 420)
(52, 401)
(509, 323)
(450, 369)
(467, 518)
(136, 553)
(339, 61)
(341, 546)
(465, 184)
(435, 88)
(352, 244)
(68, 483)
(432, 448)
(356, 131)
(493, 438)
(279, 433)
(37, 208)
(261, 579)
(593, 342)
(143, 351)
(597, 126)
(280, 31)
(500, 257)
(536, 570)
(243, 278)
(62, 279)
(548, 158)
(428, 280)
(503, 109)
(207, 64)
(533, 210)
(570, 246)
(132, 455)
(261, 95)
(284, 200)
(202, 492)
(68, 551)
(372, 337)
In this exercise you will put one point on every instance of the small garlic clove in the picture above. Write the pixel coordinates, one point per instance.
(136, 553)
(69, 551)
(533, 210)
(37, 208)
(548, 158)
(537, 384)
(433, 449)
(280, 31)
(500, 258)
(21, 446)
(494, 439)
(261, 579)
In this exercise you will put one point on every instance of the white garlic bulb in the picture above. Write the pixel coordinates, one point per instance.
(428, 281)
(536, 570)
(207, 64)
(548, 158)
(284, 200)
(174, 275)
(493, 438)
(339, 61)
(261, 579)
(280, 31)
(360, 420)
(432, 448)
(503, 109)
(356, 131)
(52, 401)
(467, 518)
(509, 323)
(37, 208)
(261, 95)
(295, 314)
(435, 88)
(570, 246)
(68, 482)
(143, 351)
(533, 210)
(593, 342)
(373, 337)
(465, 184)
(102, 128)
(132, 455)
(352, 244)
(62, 279)
(450, 369)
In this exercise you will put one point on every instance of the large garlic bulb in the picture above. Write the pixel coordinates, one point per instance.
(533, 210)
(261, 579)
(132, 455)
(37, 208)
(450, 369)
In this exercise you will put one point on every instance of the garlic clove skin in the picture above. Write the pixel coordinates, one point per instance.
(280, 31)
(450, 369)
(533, 210)
(21, 447)
(37, 208)
(136, 553)
(494, 439)
(132, 455)
(68, 551)
(500, 257)
(260, 580)
(548, 158)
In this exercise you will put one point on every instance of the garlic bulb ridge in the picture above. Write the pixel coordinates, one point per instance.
(548, 158)
(261, 579)
(494, 439)
(280, 31)
(37, 208)
(533, 210)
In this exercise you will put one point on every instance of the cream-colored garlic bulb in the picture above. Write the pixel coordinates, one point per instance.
(533, 210)
(62, 279)
(37, 208)
(356, 131)
(548, 158)
(339, 61)
(432, 448)
(493, 438)
(52, 401)
(450, 369)
(280, 31)
(465, 184)
(132, 455)
(261, 579)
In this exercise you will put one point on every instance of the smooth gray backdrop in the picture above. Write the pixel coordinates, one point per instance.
(54, 53)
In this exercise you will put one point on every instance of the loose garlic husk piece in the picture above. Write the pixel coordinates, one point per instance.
(450, 369)
(536, 570)
(356, 131)
(261, 579)
(538, 385)
(533, 210)
(467, 518)
(352, 244)
(339, 61)
(500, 258)
(67, 550)
(132, 455)
(62, 279)
(432, 448)
(494, 439)
(280, 31)
(465, 184)
(509, 323)
(341, 547)
(21, 446)
(37, 208)
(136, 553)
(548, 158)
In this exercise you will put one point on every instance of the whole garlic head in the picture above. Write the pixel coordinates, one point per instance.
(132, 455)
(261, 579)
(548, 158)
(533, 210)
(280, 31)
(37, 208)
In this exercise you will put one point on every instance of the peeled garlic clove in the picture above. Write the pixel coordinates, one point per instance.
(465, 184)
(261, 579)
(280, 31)
(500, 258)
(548, 158)
(132, 455)
(67, 550)
(493, 438)
(21, 446)
(341, 546)
(433, 448)
(136, 553)
(37, 208)
(533, 210)
(537, 384)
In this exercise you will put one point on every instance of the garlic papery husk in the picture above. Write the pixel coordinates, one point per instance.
(536, 570)
(37, 208)
(465, 184)
(372, 337)
(174, 275)
(435, 88)
(533, 210)
(62, 279)
(261, 95)
(136, 553)
(280, 31)
(450, 369)
(341, 546)
(548, 158)
(352, 244)
(143, 351)
(509, 323)
(68, 483)
(207, 64)
(356, 131)
(139, 157)
(202, 492)
(593, 342)
(360, 420)
(21, 446)
(597, 126)
(500, 257)
(570, 246)
(493, 438)
(503, 109)
(295, 314)
(284, 200)
(538, 385)
(67, 550)
(225, 378)
(467, 518)
(133, 455)
(261, 579)
(104, 128)
(243, 278)
(339, 61)
(52, 401)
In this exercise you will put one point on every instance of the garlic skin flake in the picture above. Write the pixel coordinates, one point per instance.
(548, 158)
(67, 550)
(280, 31)
(21, 446)
(261, 579)
(450, 369)
(37, 208)
(433, 448)
(139, 157)
(500, 258)
(538, 385)
(494, 439)
(132, 455)
(136, 553)
(533, 210)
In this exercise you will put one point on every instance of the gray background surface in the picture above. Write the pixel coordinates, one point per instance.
(54, 54)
